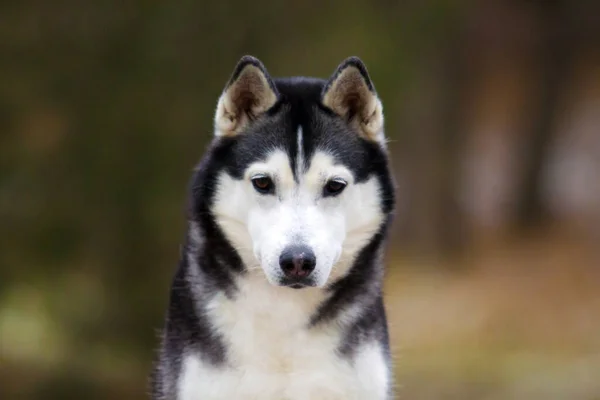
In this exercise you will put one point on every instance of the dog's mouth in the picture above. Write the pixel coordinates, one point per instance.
(297, 284)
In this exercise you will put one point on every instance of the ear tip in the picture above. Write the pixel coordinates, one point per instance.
(354, 60)
(357, 63)
(244, 62)
(248, 59)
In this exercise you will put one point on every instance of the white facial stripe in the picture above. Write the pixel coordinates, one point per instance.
(300, 154)
(335, 228)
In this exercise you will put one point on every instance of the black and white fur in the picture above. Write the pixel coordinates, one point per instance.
(238, 327)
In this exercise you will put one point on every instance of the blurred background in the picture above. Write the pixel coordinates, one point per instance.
(493, 115)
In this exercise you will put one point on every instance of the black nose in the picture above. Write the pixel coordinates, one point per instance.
(297, 261)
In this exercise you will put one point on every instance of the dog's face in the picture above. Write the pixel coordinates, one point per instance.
(302, 184)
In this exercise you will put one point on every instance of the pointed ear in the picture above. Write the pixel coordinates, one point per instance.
(350, 94)
(249, 93)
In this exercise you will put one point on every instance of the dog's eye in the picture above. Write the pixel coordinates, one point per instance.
(263, 184)
(334, 187)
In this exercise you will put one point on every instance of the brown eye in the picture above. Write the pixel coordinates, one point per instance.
(263, 184)
(334, 187)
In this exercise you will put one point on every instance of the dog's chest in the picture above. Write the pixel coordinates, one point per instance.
(272, 354)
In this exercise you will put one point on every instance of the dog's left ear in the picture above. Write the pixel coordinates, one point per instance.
(249, 93)
(350, 94)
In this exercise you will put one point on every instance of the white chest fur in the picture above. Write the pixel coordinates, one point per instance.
(274, 356)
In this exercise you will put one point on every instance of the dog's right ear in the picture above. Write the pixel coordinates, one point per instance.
(249, 93)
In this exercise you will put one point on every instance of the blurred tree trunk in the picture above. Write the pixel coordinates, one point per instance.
(555, 57)
(434, 143)
(452, 228)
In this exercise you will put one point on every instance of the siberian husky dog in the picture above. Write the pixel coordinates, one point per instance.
(278, 293)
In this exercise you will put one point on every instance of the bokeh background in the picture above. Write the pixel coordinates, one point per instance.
(493, 115)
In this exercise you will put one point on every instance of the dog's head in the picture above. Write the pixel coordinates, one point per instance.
(299, 171)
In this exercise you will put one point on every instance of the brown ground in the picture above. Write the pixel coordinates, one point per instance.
(524, 323)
